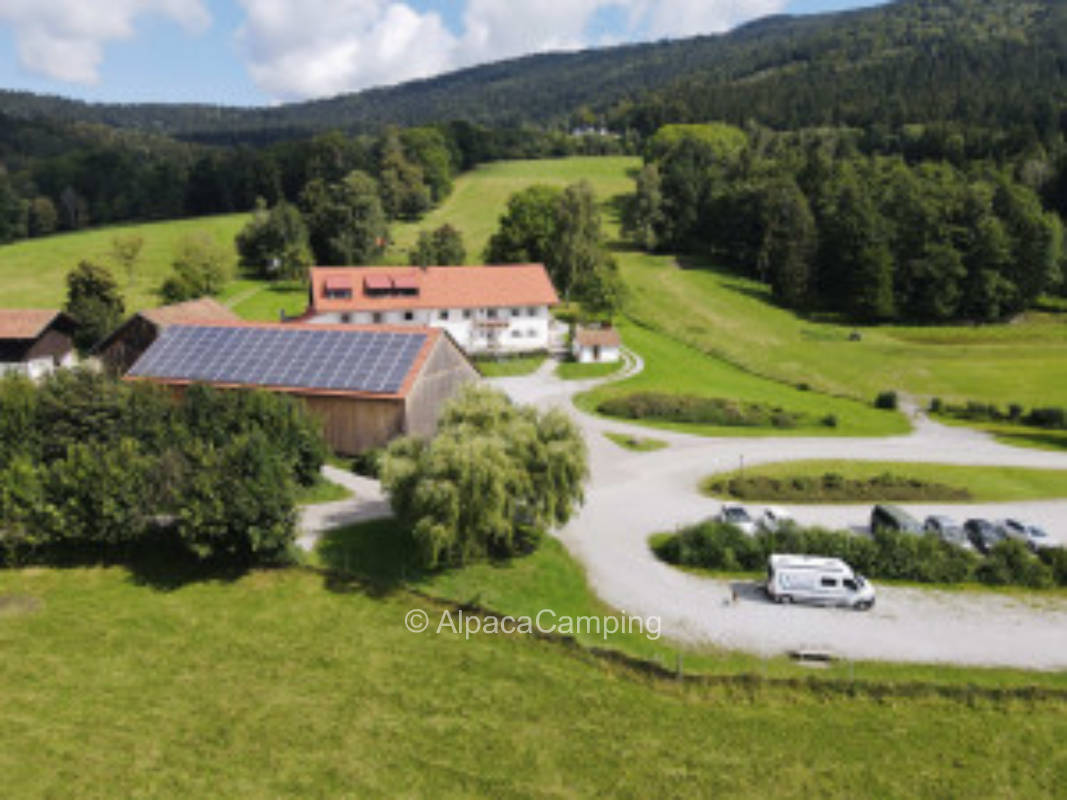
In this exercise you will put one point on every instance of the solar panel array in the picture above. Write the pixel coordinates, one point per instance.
(334, 360)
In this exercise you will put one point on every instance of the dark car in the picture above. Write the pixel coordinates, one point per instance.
(892, 518)
(983, 534)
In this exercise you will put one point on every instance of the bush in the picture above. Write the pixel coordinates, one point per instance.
(887, 401)
(1010, 562)
(698, 410)
(829, 421)
(490, 483)
(935, 405)
(93, 466)
(1056, 560)
(368, 463)
(886, 555)
(831, 487)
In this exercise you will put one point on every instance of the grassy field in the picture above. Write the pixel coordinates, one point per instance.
(734, 318)
(480, 197)
(33, 271)
(671, 366)
(509, 367)
(291, 683)
(985, 484)
(573, 371)
(324, 491)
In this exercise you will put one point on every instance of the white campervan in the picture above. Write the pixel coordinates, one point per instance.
(812, 579)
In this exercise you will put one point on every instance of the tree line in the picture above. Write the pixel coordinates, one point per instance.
(869, 236)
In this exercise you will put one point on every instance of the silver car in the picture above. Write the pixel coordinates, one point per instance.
(1032, 536)
(948, 530)
(738, 516)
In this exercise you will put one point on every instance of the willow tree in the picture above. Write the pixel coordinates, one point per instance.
(490, 483)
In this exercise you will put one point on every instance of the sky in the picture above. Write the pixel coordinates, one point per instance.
(260, 52)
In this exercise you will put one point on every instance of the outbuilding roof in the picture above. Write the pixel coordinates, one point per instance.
(597, 337)
(200, 310)
(399, 288)
(343, 360)
(26, 323)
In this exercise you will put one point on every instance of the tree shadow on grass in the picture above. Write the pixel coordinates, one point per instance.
(159, 562)
(1051, 441)
(375, 558)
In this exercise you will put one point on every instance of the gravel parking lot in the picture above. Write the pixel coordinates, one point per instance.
(632, 495)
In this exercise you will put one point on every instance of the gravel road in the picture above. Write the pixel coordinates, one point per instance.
(632, 495)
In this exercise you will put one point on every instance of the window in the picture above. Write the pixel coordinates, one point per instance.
(515, 334)
(338, 294)
(491, 313)
(532, 332)
(516, 311)
(377, 318)
(829, 583)
(442, 314)
(850, 585)
(466, 313)
(531, 312)
(346, 318)
(409, 315)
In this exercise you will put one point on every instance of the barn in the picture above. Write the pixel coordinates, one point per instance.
(367, 383)
(594, 345)
(126, 343)
(33, 341)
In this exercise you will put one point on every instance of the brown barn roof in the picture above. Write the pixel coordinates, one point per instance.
(598, 337)
(25, 323)
(203, 309)
(431, 287)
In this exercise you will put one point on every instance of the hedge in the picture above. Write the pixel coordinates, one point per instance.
(885, 555)
(701, 410)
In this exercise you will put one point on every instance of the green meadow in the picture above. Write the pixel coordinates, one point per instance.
(152, 683)
(33, 271)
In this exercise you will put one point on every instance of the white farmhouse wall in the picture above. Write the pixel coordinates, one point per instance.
(476, 330)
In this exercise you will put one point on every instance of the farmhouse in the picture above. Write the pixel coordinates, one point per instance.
(368, 384)
(126, 344)
(593, 345)
(485, 309)
(34, 342)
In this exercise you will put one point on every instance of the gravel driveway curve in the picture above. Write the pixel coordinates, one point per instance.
(632, 495)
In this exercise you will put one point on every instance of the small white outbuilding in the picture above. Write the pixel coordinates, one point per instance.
(596, 345)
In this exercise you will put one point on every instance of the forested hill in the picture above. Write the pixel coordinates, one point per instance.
(974, 61)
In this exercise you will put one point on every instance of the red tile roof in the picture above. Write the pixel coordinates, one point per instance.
(437, 287)
(203, 309)
(433, 335)
(25, 323)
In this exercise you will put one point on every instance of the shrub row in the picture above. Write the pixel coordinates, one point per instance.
(702, 410)
(1050, 418)
(94, 466)
(885, 555)
(831, 487)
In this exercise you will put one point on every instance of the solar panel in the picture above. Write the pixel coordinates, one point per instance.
(355, 361)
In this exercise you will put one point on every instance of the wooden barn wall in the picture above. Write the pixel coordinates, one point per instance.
(52, 343)
(445, 371)
(352, 425)
(128, 345)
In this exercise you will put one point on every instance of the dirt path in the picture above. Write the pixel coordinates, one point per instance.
(367, 503)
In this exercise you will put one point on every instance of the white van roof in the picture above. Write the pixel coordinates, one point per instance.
(784, 561)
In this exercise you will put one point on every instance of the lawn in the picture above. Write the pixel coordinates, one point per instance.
(986, 484)
(671, 366)
(734, 318)
(291, 683)
(323, 491)
(509, 367)
(33, 271)
(573, 371)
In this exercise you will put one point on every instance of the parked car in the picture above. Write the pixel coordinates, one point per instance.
(983, 534)
(773, 519)
(822, 581)
(1031, 535)
(738, 516)
(948, 530)
(895, 519)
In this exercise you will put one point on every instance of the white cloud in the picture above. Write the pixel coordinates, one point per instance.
(313, 48)
(64, 39)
